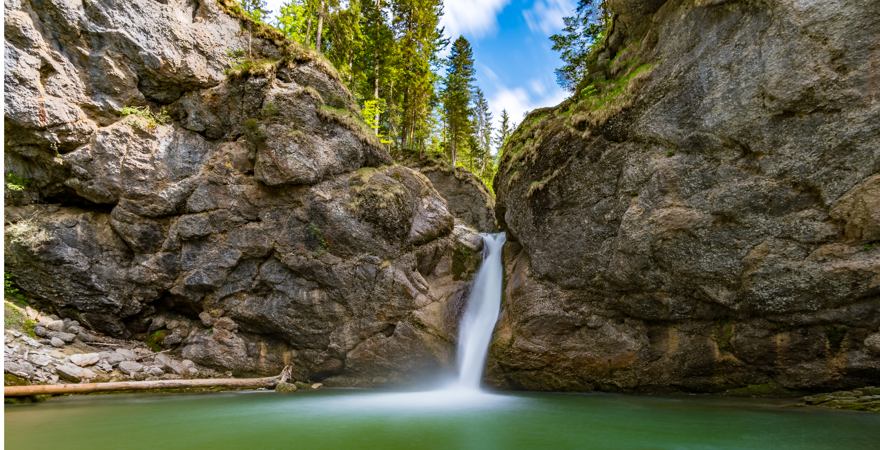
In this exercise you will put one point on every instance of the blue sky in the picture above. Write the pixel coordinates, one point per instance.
(514, 61)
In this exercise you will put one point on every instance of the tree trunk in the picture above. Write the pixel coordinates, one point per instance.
(87, 388)
(320, 27)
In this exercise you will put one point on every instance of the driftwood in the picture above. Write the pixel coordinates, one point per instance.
(88, 388)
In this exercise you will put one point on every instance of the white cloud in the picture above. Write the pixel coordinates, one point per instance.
(546, 15)
(537, 87)
(518, 102)
(476, 18)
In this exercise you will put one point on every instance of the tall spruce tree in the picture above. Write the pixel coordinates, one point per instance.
(457, 90)
(482, 153)
(505, 128)
(417, 38)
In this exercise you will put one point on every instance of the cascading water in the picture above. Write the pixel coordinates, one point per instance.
(475, 334)
(481, 313)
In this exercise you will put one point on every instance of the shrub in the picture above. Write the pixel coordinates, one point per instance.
(146, 118)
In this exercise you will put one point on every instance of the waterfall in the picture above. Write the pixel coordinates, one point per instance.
(480, 315)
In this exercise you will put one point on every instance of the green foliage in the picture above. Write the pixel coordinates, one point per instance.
(145, 117)
(252, 131)
(457, 89)
(317, 237)
(583, 33)
(11, 292)
(16, 183)
(371, 111)
(155, 339)
(256, 9)
(14, 316)
(252, 67)
(269, 110)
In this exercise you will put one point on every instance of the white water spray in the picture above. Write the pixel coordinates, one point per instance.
(480, 315)
(475, 334)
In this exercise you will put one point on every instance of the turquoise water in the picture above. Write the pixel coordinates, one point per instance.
(342, 419)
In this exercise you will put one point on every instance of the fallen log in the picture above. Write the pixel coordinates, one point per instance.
(88, 388)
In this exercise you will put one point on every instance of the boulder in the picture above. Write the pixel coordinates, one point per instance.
(74, 373)
(130, 367)
(85, 359)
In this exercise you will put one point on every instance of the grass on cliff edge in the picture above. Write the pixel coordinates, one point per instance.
(588, 109)
(291, 51)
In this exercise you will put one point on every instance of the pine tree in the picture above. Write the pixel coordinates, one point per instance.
(417, 37)
(344, 40)
(457, 90)
(483, 122)
(582, 30)
(373, 70)
(257, 9)
(505, 128)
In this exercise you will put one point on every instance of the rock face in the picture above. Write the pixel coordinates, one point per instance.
(704, 214)
(467, 197)
(242, 217)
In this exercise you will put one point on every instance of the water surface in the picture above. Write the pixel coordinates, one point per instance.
(344, 419)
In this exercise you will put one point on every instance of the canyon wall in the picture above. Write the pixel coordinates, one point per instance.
(704, 213)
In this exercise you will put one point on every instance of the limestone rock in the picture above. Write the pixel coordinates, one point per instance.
(85, 359)
(74, 373)
(130, 367)
(707, 221)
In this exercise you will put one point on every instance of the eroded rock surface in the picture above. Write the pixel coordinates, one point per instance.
(258, 225)
(704, 215)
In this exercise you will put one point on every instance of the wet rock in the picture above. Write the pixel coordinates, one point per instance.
(284, 387)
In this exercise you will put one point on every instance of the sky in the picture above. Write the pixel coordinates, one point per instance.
(512, 49)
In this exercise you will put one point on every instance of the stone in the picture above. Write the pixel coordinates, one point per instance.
(206, 318)
(85, 359)
(130, 367)
(126, 353)
(104, 366)
(74, 373)
(114, 358)
(66, 337)
(39, 359)
(56, 342)
(317, 385)
(155, 371)
(284, 387)
(872, 343)
(41, 331)
(20, 368)
(55, 325)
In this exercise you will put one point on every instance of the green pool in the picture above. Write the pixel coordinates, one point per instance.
(344, 419)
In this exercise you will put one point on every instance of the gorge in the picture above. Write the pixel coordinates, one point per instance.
(701, 215)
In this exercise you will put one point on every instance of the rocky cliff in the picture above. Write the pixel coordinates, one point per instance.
(704, 214)
(178, 173)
